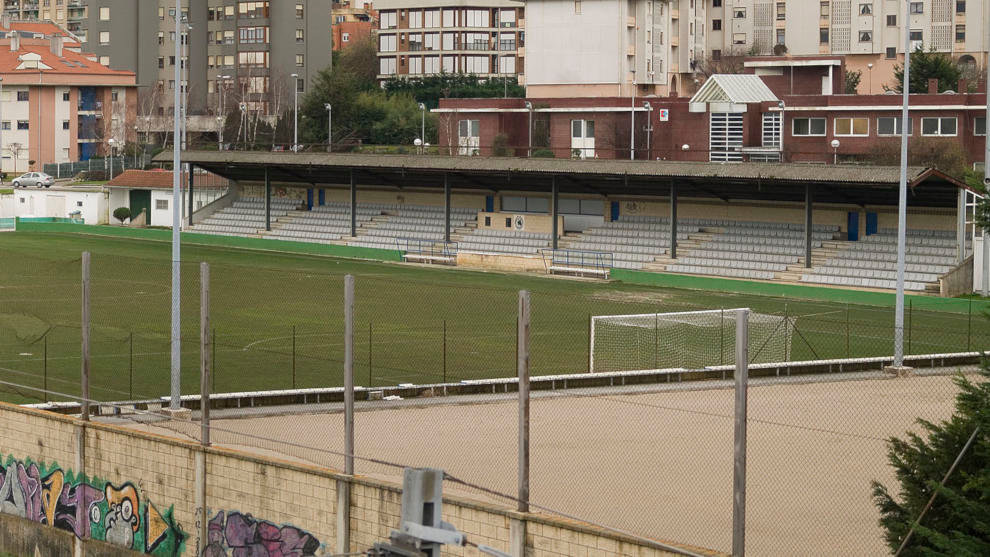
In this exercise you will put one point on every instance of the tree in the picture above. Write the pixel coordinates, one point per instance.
(925, 66)
(974, 180)
(852, 82)
(930, 152)
(729, 62)
(430, 89)
(15, 149)
(956, 523)
(122, 214)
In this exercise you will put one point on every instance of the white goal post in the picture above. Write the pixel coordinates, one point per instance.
(683, 340)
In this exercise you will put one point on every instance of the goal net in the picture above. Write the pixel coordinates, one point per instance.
(690, 340)
(8, 224)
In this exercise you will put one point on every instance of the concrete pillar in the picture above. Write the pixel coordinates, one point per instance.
(554, 194)
(961, 226)
(353, 206)
(807, 224)
(192, 170)
(268, 200)
(673, 220)
(446, 209)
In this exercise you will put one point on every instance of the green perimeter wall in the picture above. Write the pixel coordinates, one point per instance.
(666, 280)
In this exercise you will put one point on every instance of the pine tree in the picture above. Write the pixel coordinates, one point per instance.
(925, 66)
(958, 523)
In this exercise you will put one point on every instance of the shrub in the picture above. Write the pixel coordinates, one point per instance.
(500, 145)
(122, 214)
(543, 154)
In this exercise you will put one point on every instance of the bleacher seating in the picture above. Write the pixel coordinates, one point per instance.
(323, 224)
(504, 242)
(633, 241)
(245, 217)
(872, 261)
(750, 250)
(409, 222)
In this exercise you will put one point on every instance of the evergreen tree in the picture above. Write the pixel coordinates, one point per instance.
(925, 66)
(958, 523)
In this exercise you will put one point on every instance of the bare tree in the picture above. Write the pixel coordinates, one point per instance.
(15, 152)
(729, 62)
(279, 91)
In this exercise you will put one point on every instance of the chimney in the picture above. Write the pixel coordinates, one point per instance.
(56, 44)
(15, 41)
(933, 86)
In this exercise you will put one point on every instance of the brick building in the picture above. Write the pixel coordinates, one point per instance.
(722, 122)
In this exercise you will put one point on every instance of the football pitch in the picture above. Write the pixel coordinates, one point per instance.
(277, 319)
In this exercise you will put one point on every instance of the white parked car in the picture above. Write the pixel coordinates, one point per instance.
(39, 179)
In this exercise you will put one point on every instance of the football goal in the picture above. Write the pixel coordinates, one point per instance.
(690, 340)
(8, 224)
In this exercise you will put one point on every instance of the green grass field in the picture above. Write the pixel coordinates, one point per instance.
(278, 318)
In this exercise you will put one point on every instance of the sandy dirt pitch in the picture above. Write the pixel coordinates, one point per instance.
(658, 464)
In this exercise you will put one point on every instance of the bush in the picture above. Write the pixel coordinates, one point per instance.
(500, 145)
(122, 214)
(543, 154)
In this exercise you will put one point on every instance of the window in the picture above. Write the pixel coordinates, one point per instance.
(300, 85)
(866, 36)
(23, 96)
(415, 19)
(823, 35)
(960, 6)
(345, 37)
(104, 14)
(866, 9)
(252, 9)
(228, 60)
(431, 41)
(739, 38)
(431, 18)
(252, 35)
(781, 11)
(716, 3)
(449, 18)
(415, 65)
(889, 125)
(577, 7)
(105, 61)
(300, 36)
(823, 10)
(891, 53)
(808, 126)
(716, 25)
(980, 125)
(300, 60)
(938, 126)
(65, 96)
(250, 59)
(386, 43)
(468, 137)
(104, 37)
(431, 64)
(171, 60)
(891, 20)
(300, 11)
(961, 33)
(114, 96)
(65, 124)
(780, 36)
(476, 64)
(477, 18)
(739, 13)
(852, 126)
(161, 204)
(507, 65)
(161, 13)
(23, 125)
(161, 38)
(5, 125)
(386, 66)
(917, 7)
(716, 54)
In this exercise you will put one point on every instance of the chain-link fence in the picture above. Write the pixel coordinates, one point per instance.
(101, 165)
(654, 459)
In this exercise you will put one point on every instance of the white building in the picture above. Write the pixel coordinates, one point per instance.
(88, 203)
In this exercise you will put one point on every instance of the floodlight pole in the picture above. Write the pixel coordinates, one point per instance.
(986, 175)
(902, 209)
(176, 385)
(739, 446)
(632, 123)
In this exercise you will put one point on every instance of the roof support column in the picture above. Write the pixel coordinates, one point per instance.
(554, 194)
(268, 200)
(673, 220)
(446, 208)
(807, 225)
(192, 170)
(961, 226)
(353, 205)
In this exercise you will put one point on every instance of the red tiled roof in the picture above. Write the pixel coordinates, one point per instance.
(45, 27)
(69, 63)
(162, 179)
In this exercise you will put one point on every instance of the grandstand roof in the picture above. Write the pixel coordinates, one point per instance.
(860, 185)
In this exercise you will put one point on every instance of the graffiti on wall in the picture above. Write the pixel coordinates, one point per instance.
(88, 507)
(242, 534)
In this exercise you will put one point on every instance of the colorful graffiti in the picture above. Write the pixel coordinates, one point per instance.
(88, 507)
(244, 536)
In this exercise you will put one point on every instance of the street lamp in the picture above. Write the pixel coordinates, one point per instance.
(835, 151)
(329, 108)
(295, 114)
(649, 127)
(135, 147)
(783, 119)
(422, 133)
(529, 107)
(632, 122)
(870, 68)
(221, 83)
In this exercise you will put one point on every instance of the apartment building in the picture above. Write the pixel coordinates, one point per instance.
(58, 104)
(613, 47)
(56, 11)
(422, 37)
(234, 52)
(352, 21)
(870, 33)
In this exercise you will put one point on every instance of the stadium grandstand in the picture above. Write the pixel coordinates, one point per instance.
(831, 225)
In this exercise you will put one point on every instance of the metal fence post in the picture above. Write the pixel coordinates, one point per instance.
(130, 366)
(910, 323)
(969, 326)
(847, 331)
(522, 368)
(344, 486)
(656, 341)
(45, 375)
(444, 350)
(293, 356)
(369, 354)
(739, 449)
(84, 326)
(204, 352)
(213, 360)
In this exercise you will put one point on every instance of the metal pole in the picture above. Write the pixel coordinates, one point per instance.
(444, 350)
(84, 326)
(45, 357)
(555, 195)
(353, 206)
(632, 123)
(910, 324)
(1, 131)
(370, 369)
(204, 352)
(522, 368)
(176, 363)
(847, 331)
(739, 449)
(807, 225)
(446, 208)
(213, 360)
(673, 220)
(268, 200)
(529, 152)
(293, 356)
(130, 367)
(189, 169)
(986, 175)
(902, 210)
(349, 374)
(329, 128)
